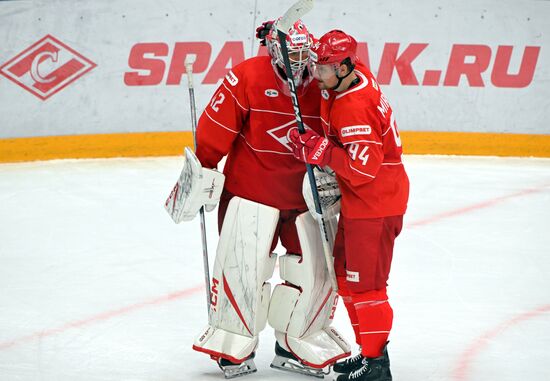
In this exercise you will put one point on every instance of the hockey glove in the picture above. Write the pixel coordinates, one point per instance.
(310, 147)
(263, 30)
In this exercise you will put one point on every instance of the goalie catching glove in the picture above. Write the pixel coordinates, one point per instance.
(196, 187)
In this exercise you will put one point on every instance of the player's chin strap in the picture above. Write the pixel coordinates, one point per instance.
(351, 67)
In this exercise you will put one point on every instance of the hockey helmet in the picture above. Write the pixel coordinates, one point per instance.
(298, 42)
(333, 48)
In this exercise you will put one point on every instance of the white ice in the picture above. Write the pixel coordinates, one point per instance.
(97, 282)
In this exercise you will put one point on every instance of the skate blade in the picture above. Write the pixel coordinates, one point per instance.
(233, 371)
(293, 366)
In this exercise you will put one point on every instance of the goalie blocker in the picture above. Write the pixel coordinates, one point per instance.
(300, 310)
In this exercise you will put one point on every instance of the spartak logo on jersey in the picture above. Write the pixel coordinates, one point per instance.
(280, 133)
(46, 67)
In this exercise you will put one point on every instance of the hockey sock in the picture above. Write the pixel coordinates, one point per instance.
(375, 317)
(344, 292)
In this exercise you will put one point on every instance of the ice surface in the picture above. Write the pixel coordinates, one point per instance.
(98, 283)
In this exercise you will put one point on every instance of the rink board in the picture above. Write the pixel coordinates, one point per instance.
(74, 70)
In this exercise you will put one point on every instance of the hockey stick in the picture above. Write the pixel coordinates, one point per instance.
(292, 15)
(189, 71)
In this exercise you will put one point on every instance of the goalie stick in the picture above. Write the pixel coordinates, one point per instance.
(189, 71)
(292, 15)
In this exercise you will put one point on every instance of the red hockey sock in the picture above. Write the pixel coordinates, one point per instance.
(375, 317)
(344, 292)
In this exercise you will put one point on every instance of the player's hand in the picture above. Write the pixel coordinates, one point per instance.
(263, 30)
(310, 147)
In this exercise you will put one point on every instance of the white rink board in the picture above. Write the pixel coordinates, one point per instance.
(105, 32)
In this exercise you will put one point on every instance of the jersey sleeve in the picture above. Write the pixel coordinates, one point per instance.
(360, 133)
(222, 119)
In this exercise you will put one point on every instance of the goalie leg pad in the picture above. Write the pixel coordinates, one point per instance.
(301, 310)
(240, 291)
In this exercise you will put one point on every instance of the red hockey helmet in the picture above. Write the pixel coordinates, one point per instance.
(333, 48)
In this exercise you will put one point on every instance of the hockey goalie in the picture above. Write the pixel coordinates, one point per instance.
(261, 203)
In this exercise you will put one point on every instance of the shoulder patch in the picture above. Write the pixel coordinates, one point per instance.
(232, 78)
(355, 130)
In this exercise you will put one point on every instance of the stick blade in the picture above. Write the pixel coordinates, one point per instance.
(189, 61)
(293, 14)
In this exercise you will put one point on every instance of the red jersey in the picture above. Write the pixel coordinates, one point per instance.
(248, 119)
(367, 161)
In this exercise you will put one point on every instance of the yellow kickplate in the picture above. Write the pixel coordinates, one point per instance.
(173, 143)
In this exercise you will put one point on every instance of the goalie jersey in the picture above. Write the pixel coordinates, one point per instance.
(248, 119)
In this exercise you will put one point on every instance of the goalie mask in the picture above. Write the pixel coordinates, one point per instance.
(298, 42)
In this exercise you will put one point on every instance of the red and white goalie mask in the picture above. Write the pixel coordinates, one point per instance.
(298, 42)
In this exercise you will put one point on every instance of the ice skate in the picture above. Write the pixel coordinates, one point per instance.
(232, 370)
(349, 365)
(286, 361)
(371, 369)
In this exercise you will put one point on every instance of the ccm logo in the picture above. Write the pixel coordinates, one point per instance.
(355, 130)
(214, 294)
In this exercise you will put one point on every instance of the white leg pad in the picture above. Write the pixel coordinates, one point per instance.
(301, 312)
(240, 291)
(220, 343)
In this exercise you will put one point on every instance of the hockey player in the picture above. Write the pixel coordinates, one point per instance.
(248, 119)
(360, 142)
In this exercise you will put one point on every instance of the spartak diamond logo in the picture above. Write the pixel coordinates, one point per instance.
(280, 133)
(46, 67)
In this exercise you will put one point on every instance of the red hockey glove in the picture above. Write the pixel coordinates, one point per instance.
(310, 147)
(263, 30)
